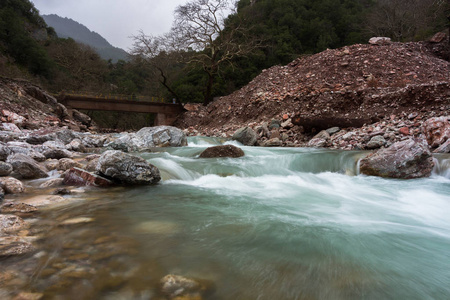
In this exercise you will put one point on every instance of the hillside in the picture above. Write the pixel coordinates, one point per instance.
(345, 87)
(66, 28)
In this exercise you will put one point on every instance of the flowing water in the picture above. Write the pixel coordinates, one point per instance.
(279, 223)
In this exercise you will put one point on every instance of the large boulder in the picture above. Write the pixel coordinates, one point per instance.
(406, 159)
(127, 169)
(222, 151)
(161, 136)
(437, 131)
(246, 136)
(25, 167)
(4, 151)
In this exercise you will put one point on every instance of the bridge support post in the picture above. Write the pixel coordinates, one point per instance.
(160, 120)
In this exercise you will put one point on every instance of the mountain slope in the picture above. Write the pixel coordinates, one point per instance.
(66, 28)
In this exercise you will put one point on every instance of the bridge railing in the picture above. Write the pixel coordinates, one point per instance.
(109, 96)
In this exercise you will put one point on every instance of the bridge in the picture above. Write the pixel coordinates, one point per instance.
(166, 113)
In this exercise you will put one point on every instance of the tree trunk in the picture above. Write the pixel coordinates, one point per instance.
(208, 92)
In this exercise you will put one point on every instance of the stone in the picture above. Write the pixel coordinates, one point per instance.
(2, 195)
(404, 131)
(380, 41)
(322, 135)
(287, 124)
(333, 130)
(51, 164)
(82, 118)
(43, 200)
(76, 145)
(406, 159)
(79, 177)
(25, 167)
(222, 151)
(317, 142)
(5, 168)
(274, 124)
(438, 37)
(67, 163)
(246, 136)
(376, 142)
(437, 130)
(444, 148)
(75, 221)
(61, 191)
(65, 136)
(13, 246)
(274, 142)
(18, 208)
(11, 223)
(9, 127)
(4, 152)
(179, 287)
(54, 182)
(161, 136)
(40, 139)
(12, 185)
(29, 296)
(127, 169)
(262, 130)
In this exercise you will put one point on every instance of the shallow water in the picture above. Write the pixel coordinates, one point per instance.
(278, 223)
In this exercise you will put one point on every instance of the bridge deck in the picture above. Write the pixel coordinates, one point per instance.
(165, 111)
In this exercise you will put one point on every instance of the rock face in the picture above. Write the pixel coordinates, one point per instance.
(127, 169)
(26, 167)
(161, 136)
(407, 159)
(246, 136)
(222, 151)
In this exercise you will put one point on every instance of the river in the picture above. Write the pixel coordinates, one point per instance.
(278, 223)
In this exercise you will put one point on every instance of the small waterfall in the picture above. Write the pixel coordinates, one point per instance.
(442, 165)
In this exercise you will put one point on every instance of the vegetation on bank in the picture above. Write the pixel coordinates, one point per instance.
(270, 31)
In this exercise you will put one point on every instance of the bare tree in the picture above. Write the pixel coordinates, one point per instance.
(200, 26)
(404, 20)
(161, 54)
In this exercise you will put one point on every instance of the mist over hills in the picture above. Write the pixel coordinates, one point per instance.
(66, 28)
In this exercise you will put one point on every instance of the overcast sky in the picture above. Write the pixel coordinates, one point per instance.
(115, 20)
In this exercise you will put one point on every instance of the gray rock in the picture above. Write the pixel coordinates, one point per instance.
(127, 142)
(26, 167)
(406, 159)
(161, 136)
(4, 151)
(274, 142)
(380, 41)
(333, 130)
(274, 124)
(246, 136)
(65, 136)
(40, 139)
(317, 142)
(222, 151)
(262, 130)
(76, 145)
(54, 149)
(127, 169)
(54, 182)
(5, 168)
(2, 196)
(322, 135)
(376, 142)
(67, 163)
(83, 118)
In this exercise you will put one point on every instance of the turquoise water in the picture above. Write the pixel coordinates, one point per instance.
(278, 223)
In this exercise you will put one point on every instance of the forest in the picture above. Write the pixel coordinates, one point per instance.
(256, 35)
